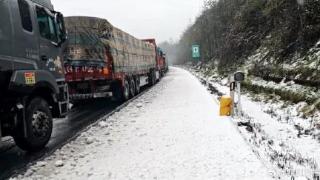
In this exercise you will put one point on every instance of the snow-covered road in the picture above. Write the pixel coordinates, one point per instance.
(171, 132)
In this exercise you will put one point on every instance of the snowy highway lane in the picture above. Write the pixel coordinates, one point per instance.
(171, 132)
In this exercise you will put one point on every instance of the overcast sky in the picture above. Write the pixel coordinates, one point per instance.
(162, 19)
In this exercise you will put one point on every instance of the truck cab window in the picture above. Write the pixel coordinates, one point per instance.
(47, 26)
(25, 15)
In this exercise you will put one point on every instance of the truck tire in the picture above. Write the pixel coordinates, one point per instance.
(137, 81)
(162, 73)
(122, 93)
(132, 87)
(38, 122)
(152, 78)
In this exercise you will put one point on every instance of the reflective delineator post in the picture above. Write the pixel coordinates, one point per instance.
(239, 108)
(235, 92)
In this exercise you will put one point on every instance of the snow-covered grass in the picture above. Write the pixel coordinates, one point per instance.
(303, 68)
(310, 60)
(305, 100)
(276, 130)
(309, 92)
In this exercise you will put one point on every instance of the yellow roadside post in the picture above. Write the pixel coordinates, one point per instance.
(225, 106)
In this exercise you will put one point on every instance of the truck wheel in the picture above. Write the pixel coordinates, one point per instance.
(137, 81)
(154, 81)
(122, 93)
(38, 122)
(152, 78)
(132, 87)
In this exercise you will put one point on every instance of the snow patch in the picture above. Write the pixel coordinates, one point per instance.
(103, 124)
(59, 163)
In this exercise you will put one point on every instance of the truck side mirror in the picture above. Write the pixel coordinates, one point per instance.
(61, 28)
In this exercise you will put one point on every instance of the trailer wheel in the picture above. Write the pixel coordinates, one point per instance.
(137, 81)
(132, 87)
(126, 90)
(38, 126)
(152, 78)
(122, 93)
(162, 74)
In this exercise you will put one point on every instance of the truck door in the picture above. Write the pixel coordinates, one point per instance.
(5, 45)
(49, 48)
(24, 41)
(5, 36)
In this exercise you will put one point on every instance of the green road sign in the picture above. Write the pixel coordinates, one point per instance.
(195, 51)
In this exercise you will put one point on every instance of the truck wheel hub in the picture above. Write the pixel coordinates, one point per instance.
(40, 124)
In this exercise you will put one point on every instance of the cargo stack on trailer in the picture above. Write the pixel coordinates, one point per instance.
(102, 60)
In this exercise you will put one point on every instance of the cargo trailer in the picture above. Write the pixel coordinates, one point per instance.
(103, 61)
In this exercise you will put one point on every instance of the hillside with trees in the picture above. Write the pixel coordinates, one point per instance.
(271, 40)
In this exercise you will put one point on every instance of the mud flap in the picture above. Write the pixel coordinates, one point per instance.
(157, 75)
(21, 116)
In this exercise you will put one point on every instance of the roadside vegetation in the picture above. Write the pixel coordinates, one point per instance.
(275, 42)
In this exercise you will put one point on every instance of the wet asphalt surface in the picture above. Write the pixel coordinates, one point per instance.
(13, 159)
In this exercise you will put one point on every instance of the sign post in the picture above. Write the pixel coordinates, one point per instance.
(196, 52)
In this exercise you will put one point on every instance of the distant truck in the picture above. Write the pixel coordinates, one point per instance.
(161, 61)
(33, 90)
(104, 61)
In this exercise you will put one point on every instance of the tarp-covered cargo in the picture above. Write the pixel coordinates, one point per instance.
(84, 35)
(95, 40)
(45, 3)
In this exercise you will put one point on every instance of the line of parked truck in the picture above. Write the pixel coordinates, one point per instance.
(48, 61)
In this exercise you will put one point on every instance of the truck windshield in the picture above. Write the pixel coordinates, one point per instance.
(47, 26)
